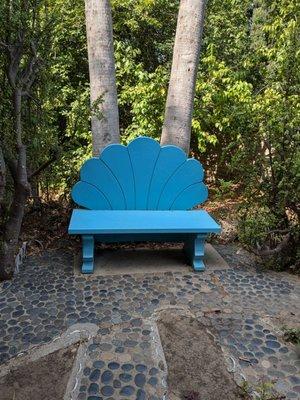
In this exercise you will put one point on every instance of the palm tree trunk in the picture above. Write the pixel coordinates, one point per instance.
(105, 115)
(181, 92)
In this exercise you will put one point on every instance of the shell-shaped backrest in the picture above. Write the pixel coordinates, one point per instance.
(141, 176)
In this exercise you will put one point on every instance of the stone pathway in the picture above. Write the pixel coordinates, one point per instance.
(244, 307)
(124, 361)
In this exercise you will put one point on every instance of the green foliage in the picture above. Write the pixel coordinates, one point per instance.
(29, 25)
(292, 335)
(224, 189)
(147, 26)
(245, 127)
(272, 151)
(255, 223)
(260, 391)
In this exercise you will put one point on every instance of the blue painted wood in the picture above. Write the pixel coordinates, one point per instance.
(116, 157)
(87, 254)
(141, 237)
(88, 196)
(195, 191)
(189, 173)
(143, 153)
(141, 221)
(97, 173)
(141, 176)
(194, 248)
(141, 192)
(169, 159)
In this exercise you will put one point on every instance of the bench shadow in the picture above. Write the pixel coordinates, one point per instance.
(114, 261)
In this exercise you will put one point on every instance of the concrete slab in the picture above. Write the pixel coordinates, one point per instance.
(146, 260)
(213, 259)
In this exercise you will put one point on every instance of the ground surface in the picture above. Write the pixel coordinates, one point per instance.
(194, 360)
(45, 378)
(244, 308)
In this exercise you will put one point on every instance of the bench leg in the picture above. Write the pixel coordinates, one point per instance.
(194, 248)
(87, 254)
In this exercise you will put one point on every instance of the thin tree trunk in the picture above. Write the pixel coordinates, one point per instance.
(17, 102)
(12, 227)
(2, 179)
(105, 115)
(181, 92)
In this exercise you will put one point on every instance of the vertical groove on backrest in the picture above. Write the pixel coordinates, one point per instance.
(190, 196)
(162, 190)
(116, 157)
(100, 191)
(150, 183)
(143, 153)
(89, 196)
(133, 178)
(95, 172)
(117, 182)
(170, 157)
(187, 174)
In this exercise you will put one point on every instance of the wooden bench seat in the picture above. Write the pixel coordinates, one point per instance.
(85, 222)
(143, 225)
(140, 193)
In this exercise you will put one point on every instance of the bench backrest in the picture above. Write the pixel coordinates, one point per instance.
(140, 176)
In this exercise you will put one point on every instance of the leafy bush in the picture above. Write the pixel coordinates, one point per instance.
(254, 225)
(224, 189)
(292, 335)
(258, 230)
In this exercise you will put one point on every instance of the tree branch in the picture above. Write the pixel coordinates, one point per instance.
(42, 167)
(280, 231)
(278, 249)
(15, 55)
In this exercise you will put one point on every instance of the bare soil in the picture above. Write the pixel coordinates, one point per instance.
(196, 365)
(45, 378)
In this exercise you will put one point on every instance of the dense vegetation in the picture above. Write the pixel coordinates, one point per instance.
(245, 128)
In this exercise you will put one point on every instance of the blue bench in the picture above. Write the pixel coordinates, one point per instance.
(141, 192)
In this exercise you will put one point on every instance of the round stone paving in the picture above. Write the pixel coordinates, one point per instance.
(46, 298)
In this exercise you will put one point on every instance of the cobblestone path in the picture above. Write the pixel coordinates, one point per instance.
(245, 307)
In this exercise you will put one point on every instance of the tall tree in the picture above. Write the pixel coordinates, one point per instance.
(105, 115)
(25, 38)
(180, 100)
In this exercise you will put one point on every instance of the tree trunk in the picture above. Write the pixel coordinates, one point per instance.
(2, 179)
(13, 225)
(105, 115)
(181, 92)
(18, 170)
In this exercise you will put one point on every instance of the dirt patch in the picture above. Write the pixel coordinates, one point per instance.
(45, 378)
(196, 365)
